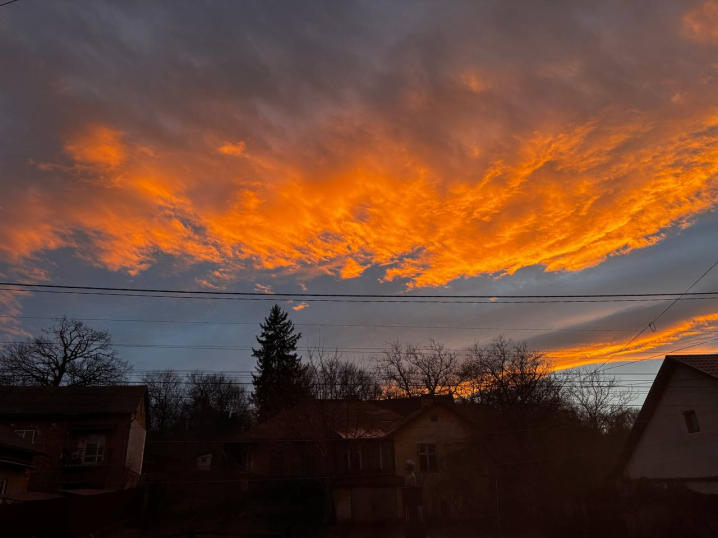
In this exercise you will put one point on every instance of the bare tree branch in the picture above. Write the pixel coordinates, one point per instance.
(68, 353)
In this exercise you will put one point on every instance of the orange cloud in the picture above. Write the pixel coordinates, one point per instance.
(684, 331)
(701, 24)
(235, 150)
(300, 306)
(352, 269)
(565, 201)
(97, 145)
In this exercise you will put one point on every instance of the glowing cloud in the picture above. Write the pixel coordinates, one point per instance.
(701, 23)
(235, 150)
(428, 169)
(685, 331)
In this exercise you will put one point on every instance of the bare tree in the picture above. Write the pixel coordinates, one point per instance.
(68, 353)
(221, 394)
(408, 370)
(331, 377)
(512, 378)
(166, 394)
(600, 400)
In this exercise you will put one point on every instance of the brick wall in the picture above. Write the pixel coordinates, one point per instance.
(59, 434)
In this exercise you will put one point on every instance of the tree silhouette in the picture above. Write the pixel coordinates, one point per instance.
(69, 353)
(281, 380)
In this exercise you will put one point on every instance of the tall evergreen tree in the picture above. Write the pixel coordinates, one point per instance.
(281, 380)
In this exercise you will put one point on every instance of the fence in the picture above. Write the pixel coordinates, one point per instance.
(69, 517)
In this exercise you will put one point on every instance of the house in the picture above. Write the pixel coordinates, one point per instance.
(451, 450)
(16, 460)
(674, 438)
(91, 437)
(359, 448)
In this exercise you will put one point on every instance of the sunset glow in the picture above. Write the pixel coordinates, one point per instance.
(471, 165)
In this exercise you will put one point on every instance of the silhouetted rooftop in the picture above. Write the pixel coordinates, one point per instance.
(70, 400)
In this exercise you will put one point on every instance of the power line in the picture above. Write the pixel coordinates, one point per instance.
(358, 350)
(384, 326)
(652, 324)
(8, 2)
(660, 354)
(346, 295)
(399, 300)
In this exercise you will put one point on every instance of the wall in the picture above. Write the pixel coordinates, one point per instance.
(136, 441)
(16, 478)
(666, 449)
(52, 436)
(452, 435)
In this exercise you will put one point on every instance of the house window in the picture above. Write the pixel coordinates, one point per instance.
(3, 485)
(691, 421)
(427, 457)
(90, 448)
(434, 418)
(28, 435)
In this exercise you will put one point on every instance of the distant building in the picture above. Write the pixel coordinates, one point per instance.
(674, 439)
(360, 448)
(16, 460)
(91, 437)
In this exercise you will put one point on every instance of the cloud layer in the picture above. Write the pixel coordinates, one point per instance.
(434, 144)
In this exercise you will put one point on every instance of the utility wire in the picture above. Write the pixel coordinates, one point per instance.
(169, 321)
(652, 324)
(400, 300)
(347, 295)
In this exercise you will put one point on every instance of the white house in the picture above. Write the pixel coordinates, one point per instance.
(675, 438)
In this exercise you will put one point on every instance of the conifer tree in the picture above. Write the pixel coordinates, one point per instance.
(281, 380)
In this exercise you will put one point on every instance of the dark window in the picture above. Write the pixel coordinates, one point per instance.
(427, 457)
(434, 418)
(28, 435)
(90, 449)
(3, 486)
(691, 421)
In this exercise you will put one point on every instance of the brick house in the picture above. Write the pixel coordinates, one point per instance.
(91, 437)
(359, 449)
(16, 460)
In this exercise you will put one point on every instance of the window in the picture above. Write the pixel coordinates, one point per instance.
(90, 448)
(28, 435)
(427, 457)
(692, 421)
(3, 485)
(434, 418)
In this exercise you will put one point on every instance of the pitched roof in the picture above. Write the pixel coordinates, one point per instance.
(356, 419)
(70, 400)
(705, 364)
(340, 419)
(406, 406)
(9, 439)
(708, 364)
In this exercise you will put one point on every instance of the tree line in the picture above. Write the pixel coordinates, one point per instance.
(505, 375)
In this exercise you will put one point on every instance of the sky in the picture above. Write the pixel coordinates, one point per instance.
(410, 148)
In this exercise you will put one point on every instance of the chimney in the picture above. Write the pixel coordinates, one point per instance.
(427, 400)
